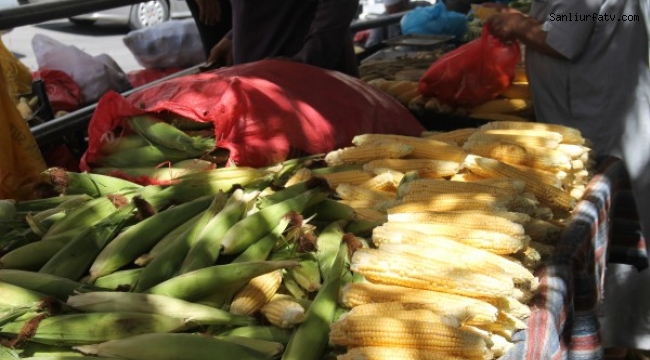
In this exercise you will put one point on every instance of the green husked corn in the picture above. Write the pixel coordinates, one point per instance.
(327, 245)
(260, 250)
(92, 328)
(118, 279)
(310, 338)
(88, 214)
(254, 227)
(220, 278)
(31, 256)
(55, 286)
(32, 206)
(7, 210)
(84, 183)
(74, 259)
(205, 250)
(164, 134)
(259, 332)
(197, 314)
(331, 210)
(139, 238)
(166, 241)
(172, 347)
(150, 155)
(168, 262)
(14, 295)
(122, 143)
(307, 275)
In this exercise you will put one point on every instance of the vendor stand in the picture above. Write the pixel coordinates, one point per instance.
(564, 320)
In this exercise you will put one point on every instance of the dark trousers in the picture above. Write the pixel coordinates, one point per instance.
(211, 34)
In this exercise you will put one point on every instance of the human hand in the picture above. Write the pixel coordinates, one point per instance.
(505, 26)
(221, 53)
(209, 11)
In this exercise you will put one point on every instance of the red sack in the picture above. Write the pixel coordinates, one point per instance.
(141, 77)
(63, 93)
(474, 73)
(262, 111)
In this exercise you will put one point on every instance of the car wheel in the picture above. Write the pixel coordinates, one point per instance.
(148, 13)
(82, 22)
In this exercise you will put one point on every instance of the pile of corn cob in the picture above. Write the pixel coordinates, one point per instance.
(158, 148)
(459, 220)
(213, 264)
(514, 103)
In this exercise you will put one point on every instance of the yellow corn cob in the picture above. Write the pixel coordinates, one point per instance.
(457, 137)
(520, 75)
(456, 197)
(510, 306)
(513, 153)
(368, 152)
(556, 179)
(284, 313)
(500, 345)
(353, 177)
(373, 204)
(403, 310)
(393, 353)
(406, 96)
(466, 177)
(569, 135)
(503, 106)
(578, 191)
(473, 311)
(424, 167)
(492, 241)
(400, 86)
(427, 274)
(529, 257)
(423, 148)
(497, 117)
(546, 139)
(448, 202)
(543, 231)
(301, 175)
(355, 192)
(416, 242)
(505, 324)
(517, 90)
(547, 194)
(439, 186)
(371, 215)
(256, 293)
(383, 182)
(515, 217)
(420, 334)
(473, 220)
(576, 152)
(396, 174)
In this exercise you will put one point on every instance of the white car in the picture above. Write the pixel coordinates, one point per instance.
(137, 16)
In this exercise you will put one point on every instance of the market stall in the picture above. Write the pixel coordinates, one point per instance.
(348, 172)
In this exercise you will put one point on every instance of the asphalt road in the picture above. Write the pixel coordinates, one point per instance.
(94, 40)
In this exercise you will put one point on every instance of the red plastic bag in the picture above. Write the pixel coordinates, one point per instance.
(63, 93)
(141, 77)
(474, 73)
(262, 111)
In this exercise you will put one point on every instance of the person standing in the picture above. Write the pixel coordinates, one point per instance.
(315, 32)
(587, 63)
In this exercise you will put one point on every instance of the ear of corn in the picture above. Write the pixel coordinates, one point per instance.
(118, 279)
(458, 136)
(265, 348)
(70, 182)
(363, 153)
(424, 167)
(149, 155)
(106, 302)
(259, 332)
(114, 144)
(138, 239)
(503, 106)
(14, 295)
(424, 273)
(331, 210)
(261, 249)
(423, 334)
(164, 134)
(355, 192)
(394, 353)
(31, 256)
(87, 214)
(253, 227)
(284, 313)
(172, 346)
(423, 148)
(200, 283)
(353, 177)
(90, 328)
(569, 135)
(55, 286)
(256, 293)
(512, 153)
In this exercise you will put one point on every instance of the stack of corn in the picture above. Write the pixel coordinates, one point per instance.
(159, 148)
(516, 100)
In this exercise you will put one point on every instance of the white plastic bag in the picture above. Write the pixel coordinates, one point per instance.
(94, 75)
(174, 43)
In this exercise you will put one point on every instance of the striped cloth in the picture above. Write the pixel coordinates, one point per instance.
(564, 320)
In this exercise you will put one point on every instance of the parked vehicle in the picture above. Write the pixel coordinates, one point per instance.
(137, 16)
